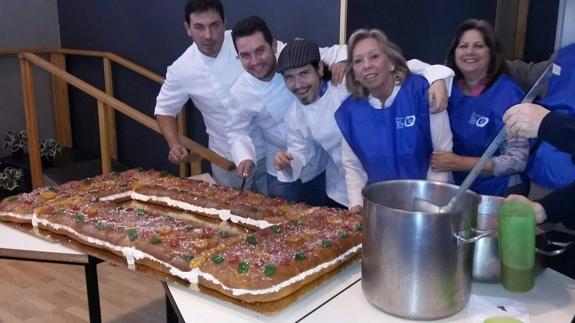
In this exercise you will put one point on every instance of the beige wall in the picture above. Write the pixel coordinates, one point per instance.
(26, 24)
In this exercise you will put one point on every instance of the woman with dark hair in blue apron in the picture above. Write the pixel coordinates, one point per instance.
(482, 93)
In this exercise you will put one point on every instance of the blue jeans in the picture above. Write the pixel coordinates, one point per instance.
(311, 192)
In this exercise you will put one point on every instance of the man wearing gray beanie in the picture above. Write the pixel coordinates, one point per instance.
(310, 121)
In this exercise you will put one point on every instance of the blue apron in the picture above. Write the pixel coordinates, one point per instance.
(475, 121)
(393, 142)
(549, 167)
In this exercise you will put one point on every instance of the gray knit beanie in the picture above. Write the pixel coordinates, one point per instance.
(297, 53)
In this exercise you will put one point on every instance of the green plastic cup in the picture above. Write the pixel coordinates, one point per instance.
(517, 245)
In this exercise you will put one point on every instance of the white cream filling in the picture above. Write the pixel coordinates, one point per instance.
(118, 196)
(130, 253)
(16, 215)
(284, 284)
(224, 215)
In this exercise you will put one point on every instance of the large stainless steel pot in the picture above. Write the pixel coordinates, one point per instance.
(417, 265)
(486, 267)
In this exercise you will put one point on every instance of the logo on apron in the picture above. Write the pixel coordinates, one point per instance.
(404, 122)
(478, 120)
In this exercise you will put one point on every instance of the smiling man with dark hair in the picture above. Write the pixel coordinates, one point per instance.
(204, 73)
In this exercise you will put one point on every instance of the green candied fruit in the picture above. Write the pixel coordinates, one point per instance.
(218, 259)
(190, 227)
(140, 169)
(296, 223)
(155, 240)
(299, 256)
(224, 234)
(114, 173)
(95, 200)
(243, 267)
(359, 227)
(326, 243)
(188, 256)
(141, 212)
(276, 228)
(251, 239)
(270, 270)
(343, 235)
(87, 181)
(163, 173)
(167, 218)
(101, 225)
(132, 234)
(13, 198)
(53, 189)
(80, 218)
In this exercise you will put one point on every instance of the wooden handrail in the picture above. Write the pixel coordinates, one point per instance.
(92, 53)
(119, 105)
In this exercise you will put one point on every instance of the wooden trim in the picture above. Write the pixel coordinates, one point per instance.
(31, 114)
(521, 29)
(181, 124)
(125, 109)
(342, 21)
(110, 113)
(61, 105)
(195, 164)
(104, 138)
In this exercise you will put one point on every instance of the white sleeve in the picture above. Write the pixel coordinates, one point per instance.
(432, 73)
(442, 140)
(240, 124)
(299, 144)
(333, 54)
(355, 175)
(171, 97)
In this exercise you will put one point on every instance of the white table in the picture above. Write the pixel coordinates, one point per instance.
(341, 299)
(18, 245)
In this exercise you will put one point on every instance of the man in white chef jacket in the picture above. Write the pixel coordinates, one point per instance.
(261, 101)
(204, 73)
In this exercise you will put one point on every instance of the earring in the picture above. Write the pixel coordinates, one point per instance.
(396, 78)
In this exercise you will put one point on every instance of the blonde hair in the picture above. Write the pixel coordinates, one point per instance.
(390, 49)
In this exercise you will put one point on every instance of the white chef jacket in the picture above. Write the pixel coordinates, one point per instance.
(315, 123)
(207, 82)
(258, 104)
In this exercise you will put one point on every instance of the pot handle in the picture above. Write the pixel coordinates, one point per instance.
(563, 247)
(479, 235)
